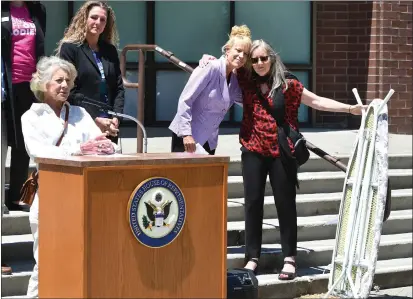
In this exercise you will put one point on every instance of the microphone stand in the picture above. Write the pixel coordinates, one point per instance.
(145, 138)
(106, 108)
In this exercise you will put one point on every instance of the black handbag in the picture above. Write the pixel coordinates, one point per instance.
(301, 153)
(241, 284)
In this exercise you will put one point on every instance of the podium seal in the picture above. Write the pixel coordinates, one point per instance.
(156, 212)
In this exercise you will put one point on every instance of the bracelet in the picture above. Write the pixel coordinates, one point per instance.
(349, 108)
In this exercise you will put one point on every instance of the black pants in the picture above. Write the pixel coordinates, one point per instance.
(178, 145)
(255, 169)
(19, 164)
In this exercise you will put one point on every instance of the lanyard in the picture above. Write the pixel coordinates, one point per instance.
(100, 65)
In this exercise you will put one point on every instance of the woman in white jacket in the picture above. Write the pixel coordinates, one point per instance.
(43, 126)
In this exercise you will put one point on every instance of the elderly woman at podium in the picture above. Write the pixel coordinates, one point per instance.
(53, 128)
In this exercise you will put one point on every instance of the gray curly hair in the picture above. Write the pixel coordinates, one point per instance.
(45, 69)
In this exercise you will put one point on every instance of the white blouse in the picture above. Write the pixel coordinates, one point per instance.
(42, 129)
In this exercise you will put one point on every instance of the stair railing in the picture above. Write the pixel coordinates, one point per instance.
(141, 49)
(170, 56)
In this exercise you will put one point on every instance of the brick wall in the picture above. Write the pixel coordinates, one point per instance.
(368, 46)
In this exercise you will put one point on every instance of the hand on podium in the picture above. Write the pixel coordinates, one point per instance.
(99, 145)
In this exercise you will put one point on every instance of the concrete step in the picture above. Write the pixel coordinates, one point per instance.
(320, 252)
(16, 248)
(392, 273)
(16, 283)
(310, 228)
(17, 222)
(314, 204)
(316, 164)
(403, 292)
(321, 182)
(315, 228)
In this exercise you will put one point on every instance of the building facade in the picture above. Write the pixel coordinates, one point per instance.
(331, 46)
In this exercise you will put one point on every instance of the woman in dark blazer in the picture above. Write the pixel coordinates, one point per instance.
(23, 28)
(89, 43)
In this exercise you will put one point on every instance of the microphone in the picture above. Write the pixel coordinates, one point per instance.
(108, 109)
(102, 106)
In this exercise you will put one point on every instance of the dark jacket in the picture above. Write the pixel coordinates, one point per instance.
(38, 14)
(88, 78)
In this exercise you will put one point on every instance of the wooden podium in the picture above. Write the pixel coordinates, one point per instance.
(87, 248)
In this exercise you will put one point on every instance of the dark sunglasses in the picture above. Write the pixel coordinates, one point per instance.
(259, 58)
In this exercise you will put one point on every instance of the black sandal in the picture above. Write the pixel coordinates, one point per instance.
(288, 275)
(255, 271)
(17, 206)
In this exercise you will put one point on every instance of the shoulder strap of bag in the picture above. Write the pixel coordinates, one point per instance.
(278, 109)
(32, 182)
(65, 125)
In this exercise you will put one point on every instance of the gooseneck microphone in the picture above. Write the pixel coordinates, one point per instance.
(108, 109)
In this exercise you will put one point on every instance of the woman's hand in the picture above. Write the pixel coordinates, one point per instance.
(107, 125)
(189, 144)
(357, 109)
(99, 145)
(206, 58)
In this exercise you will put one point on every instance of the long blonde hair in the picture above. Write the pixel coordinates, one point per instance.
(76, 32)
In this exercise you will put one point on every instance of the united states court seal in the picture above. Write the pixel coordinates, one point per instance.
(156, 212)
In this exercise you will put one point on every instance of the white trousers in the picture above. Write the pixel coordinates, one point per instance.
(33, 288)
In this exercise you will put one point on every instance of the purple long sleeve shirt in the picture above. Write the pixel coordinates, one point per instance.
(204, 102)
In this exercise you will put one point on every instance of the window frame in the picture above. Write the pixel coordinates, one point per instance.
(152, 67)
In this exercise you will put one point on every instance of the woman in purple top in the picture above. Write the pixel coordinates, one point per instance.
(208, 95)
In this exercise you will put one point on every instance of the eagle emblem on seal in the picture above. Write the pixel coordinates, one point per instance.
(157, 210)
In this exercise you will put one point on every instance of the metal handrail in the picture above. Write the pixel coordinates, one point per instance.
(179, 63)
(141, 77)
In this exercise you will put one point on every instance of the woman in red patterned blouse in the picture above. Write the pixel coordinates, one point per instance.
(260, 151)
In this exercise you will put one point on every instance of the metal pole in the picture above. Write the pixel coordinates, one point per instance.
(331, 159)
(179, 63)
(141, 100)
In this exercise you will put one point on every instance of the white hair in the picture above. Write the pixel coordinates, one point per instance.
(45, 69)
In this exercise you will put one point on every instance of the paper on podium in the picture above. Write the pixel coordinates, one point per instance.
(200, 150)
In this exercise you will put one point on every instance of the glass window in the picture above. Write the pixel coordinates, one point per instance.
(237, 113)
(56, 22)
(302, 111)
(169, 86)
(190, 29)
(286, 25)
(77, 5)
(131, 95)
(130, 22)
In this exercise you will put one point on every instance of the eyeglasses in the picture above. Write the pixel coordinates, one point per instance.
(263, 59)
